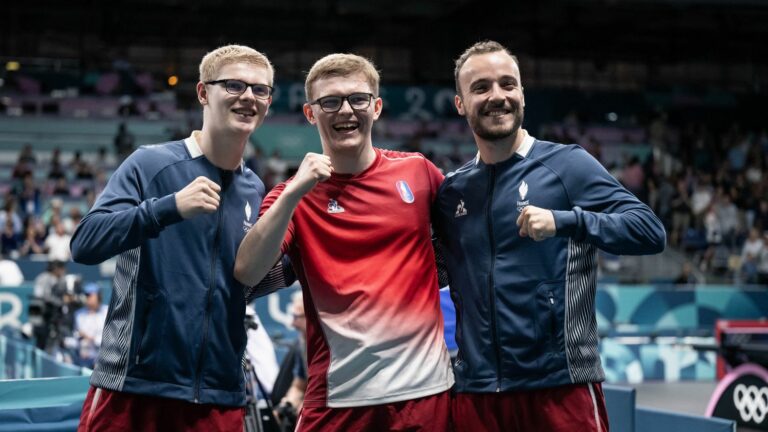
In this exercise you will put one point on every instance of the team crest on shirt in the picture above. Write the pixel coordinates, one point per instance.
(523, 191)
(405, 191)
(247, 221)
(334, 207)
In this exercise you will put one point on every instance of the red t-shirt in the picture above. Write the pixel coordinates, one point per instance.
(361, 247)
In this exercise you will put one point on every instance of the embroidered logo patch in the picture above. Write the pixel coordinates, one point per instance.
(460, 209)
(334, 207)
(405, 191)
(247, 222)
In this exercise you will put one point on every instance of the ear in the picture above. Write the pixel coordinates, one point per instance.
(202, 93)
(309, 114)
(522, 97)
(377, 107)
(459, 105)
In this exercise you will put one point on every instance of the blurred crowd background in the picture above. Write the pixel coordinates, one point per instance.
(669, 95)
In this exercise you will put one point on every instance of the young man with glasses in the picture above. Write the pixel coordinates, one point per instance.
(175, 214)
(355, 221)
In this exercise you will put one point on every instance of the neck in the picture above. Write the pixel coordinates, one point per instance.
(353, 162)
(223, 150)
(495, 151)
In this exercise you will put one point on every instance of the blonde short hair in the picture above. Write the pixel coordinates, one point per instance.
(342, 65)
(483, 47)
(222, 56)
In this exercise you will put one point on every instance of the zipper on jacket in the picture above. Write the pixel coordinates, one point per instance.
(211, 288)
(491, 287)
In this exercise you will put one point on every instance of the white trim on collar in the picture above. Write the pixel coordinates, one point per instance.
(525, 146)
(192, 146)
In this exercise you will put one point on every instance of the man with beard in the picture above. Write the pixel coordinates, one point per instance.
(520, 226)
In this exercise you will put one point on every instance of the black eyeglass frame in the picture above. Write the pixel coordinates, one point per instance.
(319, 100)
(224, 81)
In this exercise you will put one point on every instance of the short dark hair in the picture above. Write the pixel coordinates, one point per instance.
(482, 47)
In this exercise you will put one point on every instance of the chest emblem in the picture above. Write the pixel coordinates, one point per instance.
(247, 221)
(405, 191)
(334, 207)
(523, 191)
(460, 209)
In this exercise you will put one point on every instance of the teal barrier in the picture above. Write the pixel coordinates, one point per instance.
(19, 359)
(46, 404)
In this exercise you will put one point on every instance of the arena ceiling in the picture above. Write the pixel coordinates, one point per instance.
(425, 34)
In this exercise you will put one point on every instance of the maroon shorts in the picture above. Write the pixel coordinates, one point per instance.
(429, 413)
(106, 410)
(577, 407)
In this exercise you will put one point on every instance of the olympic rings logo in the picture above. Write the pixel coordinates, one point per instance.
(751, 402)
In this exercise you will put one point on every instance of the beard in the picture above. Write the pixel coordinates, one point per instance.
(497, 132)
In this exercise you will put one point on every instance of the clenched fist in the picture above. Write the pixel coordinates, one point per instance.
(536, 223)
(201, 195)
(314, 168)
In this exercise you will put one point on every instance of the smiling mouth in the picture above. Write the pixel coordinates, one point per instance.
(247, 112)
(346, 126)
(496, 112)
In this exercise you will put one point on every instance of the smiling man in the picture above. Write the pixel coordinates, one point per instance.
(355, 222)
(175, 214)
(520, 227)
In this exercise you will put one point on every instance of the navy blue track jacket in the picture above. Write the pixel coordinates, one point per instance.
(525, 309)
(175, 322)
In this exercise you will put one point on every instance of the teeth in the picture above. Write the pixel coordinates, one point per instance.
(496, 113)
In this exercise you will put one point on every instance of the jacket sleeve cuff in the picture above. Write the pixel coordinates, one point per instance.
(165, 211)
(567, 222)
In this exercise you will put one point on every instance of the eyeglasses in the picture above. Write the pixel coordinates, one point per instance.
(332, 104)
(237, 87)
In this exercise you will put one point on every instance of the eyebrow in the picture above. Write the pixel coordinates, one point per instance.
(487, 80)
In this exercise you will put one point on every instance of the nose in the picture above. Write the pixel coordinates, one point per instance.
(496, 93)
(248, 93)
(345, 106)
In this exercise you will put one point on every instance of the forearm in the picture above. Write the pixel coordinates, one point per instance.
(104, 233)
(635, 231)
(260, 249)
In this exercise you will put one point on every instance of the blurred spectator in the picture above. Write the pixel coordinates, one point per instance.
(9, 213)
(54, 209)
(27, 155)
(750, 256)
(29, 196)
(633, 176)
(10, 273)
(681, 213)
(701, 199)
(124, 142)
(31, 242)
(22, 167)
(686, 276)
(728, 215)
(46, 282)
(9, 240)
(89, 325)
(714, 236)
(57, 243)
(61, 188)
(56, 170)
(72, 219)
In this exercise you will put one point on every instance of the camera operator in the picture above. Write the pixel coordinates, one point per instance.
(89, 325)
(52, 310)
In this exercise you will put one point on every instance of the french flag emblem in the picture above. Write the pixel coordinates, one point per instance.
(405, 191)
